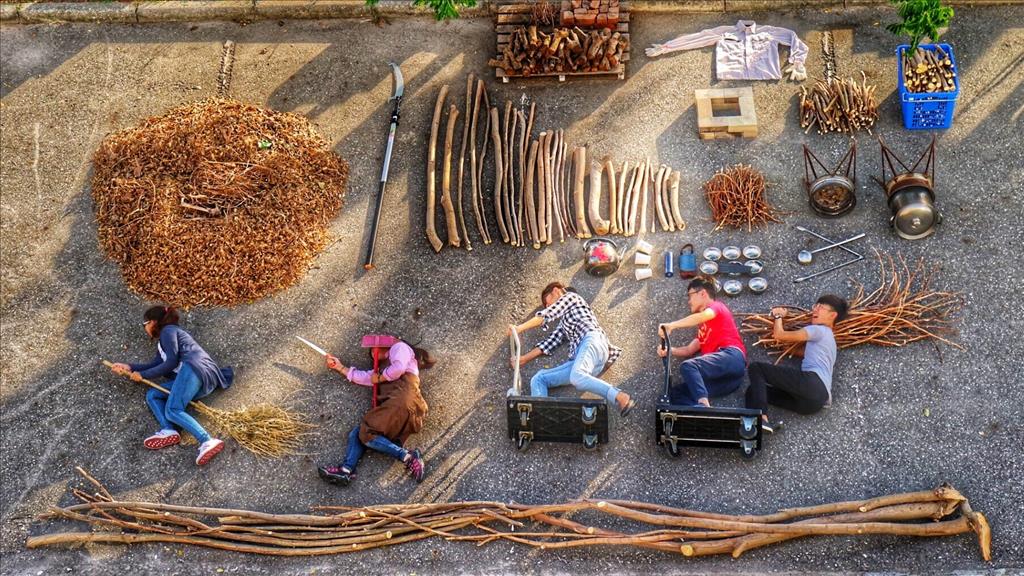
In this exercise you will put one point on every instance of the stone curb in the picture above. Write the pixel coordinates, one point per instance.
(249, 10)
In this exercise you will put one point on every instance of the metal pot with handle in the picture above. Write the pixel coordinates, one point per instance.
(601, 256)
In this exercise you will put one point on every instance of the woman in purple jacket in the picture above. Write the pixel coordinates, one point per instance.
(193, 373)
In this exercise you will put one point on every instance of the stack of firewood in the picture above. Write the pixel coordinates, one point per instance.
(590, 13)
(928, 71)
(531, 51)
(838, 106)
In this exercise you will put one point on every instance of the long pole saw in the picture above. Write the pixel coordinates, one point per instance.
(396, 74)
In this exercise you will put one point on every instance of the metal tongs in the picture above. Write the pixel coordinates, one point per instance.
(515, 347)
(857, 256)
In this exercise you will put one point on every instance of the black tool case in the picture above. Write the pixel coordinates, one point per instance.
(544, 419)
(676, 425)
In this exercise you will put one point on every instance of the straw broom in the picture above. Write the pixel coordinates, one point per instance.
(263, 429)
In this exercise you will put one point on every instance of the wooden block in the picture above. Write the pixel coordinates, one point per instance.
(576, 4)
(601, 21)
(587, 20)
(595, 4)
(568, 19)
(612, 22)
(566, 5)
(726, 112)
(613, 13)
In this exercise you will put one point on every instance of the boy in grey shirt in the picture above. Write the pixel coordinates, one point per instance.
(807, 390)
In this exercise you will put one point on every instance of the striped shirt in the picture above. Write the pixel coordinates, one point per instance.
(575, 320)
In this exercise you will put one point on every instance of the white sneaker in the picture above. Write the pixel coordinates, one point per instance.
(209, 449)
(162, 439)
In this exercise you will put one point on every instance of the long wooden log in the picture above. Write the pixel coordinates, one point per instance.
(542, 207)
(556, 185)
(638, 176)
(481, 200)
(499, 170)
(522, 177)
(549, 204)
(600, 225)
(660, 199)
(431, 230)
(451, 220)
(580, 163)
(528, 193)
(623, 194)
(508, 202)
(474, 181)
(673, 184)
(613, 198)
(649, 170)
(462, 159)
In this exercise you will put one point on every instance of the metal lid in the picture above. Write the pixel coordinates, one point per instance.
(915, 220)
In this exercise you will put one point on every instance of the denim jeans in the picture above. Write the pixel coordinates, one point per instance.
(581, 371)
(170, 411)
(709, 376)
(380, 444)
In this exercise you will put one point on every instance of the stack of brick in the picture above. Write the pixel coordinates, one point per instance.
(590, 13)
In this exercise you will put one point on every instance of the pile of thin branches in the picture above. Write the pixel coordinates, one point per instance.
(344, 529)
(737, 198)
(838, 106)
(903, 309)
(215, 202)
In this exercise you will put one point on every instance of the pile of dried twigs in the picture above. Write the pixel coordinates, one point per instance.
(347, 529)
(928, 70)
(215, 202)
(903, 309)
(737, 198)
(838, 106)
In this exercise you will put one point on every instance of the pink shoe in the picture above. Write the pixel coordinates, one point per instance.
(209, 449)
(162, 439)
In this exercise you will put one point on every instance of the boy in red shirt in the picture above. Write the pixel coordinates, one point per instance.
(719, 368)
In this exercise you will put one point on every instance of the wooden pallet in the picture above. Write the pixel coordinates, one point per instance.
(736, 116)
(511, 16)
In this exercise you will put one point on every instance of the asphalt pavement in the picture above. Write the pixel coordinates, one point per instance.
(902, 419)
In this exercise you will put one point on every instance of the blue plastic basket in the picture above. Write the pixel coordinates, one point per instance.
(927, 110)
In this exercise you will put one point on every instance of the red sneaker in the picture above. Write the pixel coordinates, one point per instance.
(209, 449)
(162, 439)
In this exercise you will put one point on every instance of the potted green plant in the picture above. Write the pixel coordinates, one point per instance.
(928, 83)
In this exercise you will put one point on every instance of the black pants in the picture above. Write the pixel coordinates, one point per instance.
(789, 388)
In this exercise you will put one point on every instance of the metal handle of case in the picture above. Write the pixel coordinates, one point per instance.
(515, 346)
(667, 344)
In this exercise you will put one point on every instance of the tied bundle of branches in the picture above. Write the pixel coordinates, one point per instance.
(838, 106)
(926, 513)
(737, 198)
(215, 202)
(903, 309)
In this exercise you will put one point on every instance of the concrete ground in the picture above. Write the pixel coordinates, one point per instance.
(903, 419)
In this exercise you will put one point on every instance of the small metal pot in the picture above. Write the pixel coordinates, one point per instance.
(912, 203)
(601, 256)
(816, 189)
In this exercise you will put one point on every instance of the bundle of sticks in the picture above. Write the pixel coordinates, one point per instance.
(342, 529)
(531, 51)
(737, 198)
(838, 106)
(928, 71)
(903, 309)
(539, 189)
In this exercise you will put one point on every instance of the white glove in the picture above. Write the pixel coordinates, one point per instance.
(796, 71)
(655, 50)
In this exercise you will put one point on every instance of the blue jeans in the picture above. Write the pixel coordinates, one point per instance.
(709, 376)
(581, 371)
(170, 411)
(380, 444)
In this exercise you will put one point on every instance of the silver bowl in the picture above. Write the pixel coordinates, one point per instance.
(751, 252)
(757, 284)
(708, 267)
(732, 252)
(712, 254)
(755, 266)
(732, 287)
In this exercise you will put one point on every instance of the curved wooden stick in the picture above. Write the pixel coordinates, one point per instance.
(600, 225)
(522, 177)
(462, 158)
(660, 197)
(451, 223)
(499, 170)
(673, 184)
(580, 163)
(474, 180)
(435, 242)
(613, 197)
(643, 199)
(542, 206)
(528, 192)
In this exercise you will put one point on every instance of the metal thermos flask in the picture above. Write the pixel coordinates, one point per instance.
(669, 264)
